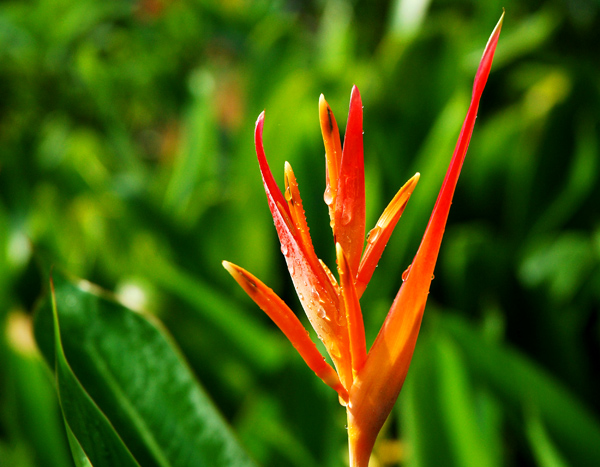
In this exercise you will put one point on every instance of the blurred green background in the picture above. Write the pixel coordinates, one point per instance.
(127, 158)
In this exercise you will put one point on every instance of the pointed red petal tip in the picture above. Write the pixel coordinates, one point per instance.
(485, 64)
(258, 127)
(261, 118)
(354, 94)
(350, 206)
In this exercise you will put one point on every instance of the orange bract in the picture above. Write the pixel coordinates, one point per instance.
(367, 383)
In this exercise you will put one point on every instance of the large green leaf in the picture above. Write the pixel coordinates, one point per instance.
(87, 427)
(135, 375)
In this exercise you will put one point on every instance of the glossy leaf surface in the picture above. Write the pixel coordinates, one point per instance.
(121, 365)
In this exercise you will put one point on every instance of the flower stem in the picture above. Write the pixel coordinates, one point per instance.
(360, 442)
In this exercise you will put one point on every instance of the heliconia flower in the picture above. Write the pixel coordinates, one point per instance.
(367, 383)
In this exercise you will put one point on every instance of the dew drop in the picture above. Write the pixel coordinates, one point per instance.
(284, 249)
(335, 351)
(374, 234)
(346, 214)
(406, 273)
(343, 403)
(348, 205)
(321, 313)
(328, 196)
(288, 194)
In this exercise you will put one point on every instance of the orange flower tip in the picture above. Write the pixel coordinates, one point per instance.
(325, 114)
(288, 175)
(412, 182)
(241, 277)
(231, 268)
(396, 206)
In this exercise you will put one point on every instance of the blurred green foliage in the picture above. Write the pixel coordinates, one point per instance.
(126, 157)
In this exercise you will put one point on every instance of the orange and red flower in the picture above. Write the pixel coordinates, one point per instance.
(368, 383)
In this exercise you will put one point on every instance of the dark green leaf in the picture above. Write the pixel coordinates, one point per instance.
(520, 383)
(134, 374)
(84, 420)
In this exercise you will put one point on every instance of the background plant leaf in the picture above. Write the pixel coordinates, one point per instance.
(133, 375)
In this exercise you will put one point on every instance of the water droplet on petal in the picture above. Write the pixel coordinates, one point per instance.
(328, 196)
(346, 214)
(348, 205)
(374, 234)
(406, 273)
(335, 351)
(288, 194)
(284, 249)
(343, 403)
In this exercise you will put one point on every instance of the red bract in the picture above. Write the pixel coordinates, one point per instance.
(367, 383)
